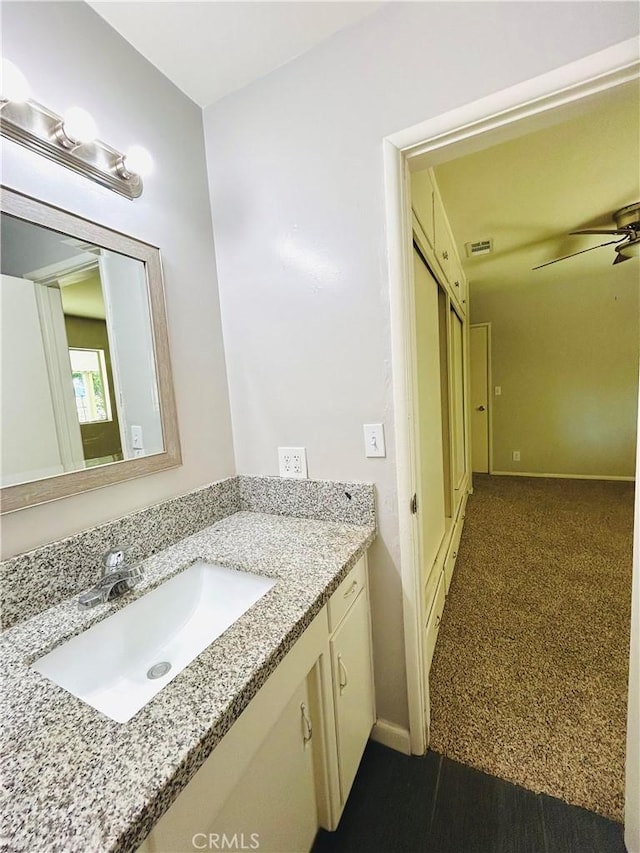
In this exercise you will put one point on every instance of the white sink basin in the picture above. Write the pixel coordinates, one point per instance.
(109, 666)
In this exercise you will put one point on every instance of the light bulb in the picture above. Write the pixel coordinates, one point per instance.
(14, 84)
(138, 161)
(79, 126)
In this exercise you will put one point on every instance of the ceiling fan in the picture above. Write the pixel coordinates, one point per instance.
(627, 221)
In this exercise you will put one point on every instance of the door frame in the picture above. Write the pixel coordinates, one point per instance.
(490, 394)
(471, 127)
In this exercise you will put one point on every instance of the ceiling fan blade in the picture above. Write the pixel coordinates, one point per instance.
(581, 252)
(620, 258)
(602, 231)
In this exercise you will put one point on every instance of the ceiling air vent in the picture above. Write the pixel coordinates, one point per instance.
(482, 247)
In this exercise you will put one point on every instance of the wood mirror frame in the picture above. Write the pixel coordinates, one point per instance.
(22, 495)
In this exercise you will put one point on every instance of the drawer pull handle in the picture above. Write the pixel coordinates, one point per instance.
(438, 621)
(351, 590)
(307, 728)
(342, 672)
(445, 255)
(457, 283)
(455, 554)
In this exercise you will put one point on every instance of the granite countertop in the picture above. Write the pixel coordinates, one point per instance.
(74, 779)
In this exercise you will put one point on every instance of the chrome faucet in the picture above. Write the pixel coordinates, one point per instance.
(117, 578)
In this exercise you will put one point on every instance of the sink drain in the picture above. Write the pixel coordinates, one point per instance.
(159, 669)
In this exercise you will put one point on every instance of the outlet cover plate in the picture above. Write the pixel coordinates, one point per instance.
(292, 462)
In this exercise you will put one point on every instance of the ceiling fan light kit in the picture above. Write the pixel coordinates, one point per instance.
(627, 221)
(630, 249)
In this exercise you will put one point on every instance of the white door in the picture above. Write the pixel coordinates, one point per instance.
(30, 448)
(479, 361)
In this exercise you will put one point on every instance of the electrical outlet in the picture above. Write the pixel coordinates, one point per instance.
(516, 455)
(498, 390)
(292, 462)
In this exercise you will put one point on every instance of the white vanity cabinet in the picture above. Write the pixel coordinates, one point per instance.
(352, 689)
(287, 764)
(276, 797)
(352, 674)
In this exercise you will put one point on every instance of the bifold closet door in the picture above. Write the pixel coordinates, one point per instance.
(431, 500)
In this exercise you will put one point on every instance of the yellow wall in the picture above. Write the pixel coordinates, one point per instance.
(566, 356)
(99, 439)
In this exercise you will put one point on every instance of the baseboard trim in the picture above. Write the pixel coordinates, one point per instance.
(562, 476)
(391, 735)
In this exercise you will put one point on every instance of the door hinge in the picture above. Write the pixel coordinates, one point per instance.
(414, 504)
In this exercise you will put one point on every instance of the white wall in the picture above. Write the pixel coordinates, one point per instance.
(632, 775)
(296, 177)
(71, 56)
(131, 342)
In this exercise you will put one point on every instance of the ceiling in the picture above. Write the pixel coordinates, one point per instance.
(209, 49)
(528, 193)
(84, 298)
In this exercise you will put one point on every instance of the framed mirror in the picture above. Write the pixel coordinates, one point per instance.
(86, 393)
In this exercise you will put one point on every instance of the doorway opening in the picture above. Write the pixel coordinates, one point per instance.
(540, 103)
(480, 390)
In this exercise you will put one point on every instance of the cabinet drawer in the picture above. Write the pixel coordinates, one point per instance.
(431, 587)
(346, 594)
(433, 623)
(452, 553)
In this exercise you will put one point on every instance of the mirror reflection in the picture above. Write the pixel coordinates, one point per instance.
(77, 372)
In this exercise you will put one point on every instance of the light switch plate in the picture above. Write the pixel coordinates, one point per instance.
(374, 440)
(136, 438)
(498, 390)
(292, 462)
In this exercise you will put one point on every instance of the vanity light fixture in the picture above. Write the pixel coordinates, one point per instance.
(76, 128)
(68, 139)
(15, 86)
(135, 161)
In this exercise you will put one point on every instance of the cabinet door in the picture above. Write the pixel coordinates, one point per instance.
(443, 243)
(275, 803)
(352, 690)
(272, 807)
(458, 285)
(422, 202)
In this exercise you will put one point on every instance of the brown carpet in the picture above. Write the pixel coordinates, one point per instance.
(529, 676)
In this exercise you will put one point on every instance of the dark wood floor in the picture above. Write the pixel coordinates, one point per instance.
(402, 804)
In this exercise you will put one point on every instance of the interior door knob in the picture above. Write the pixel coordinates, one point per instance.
(480, 409)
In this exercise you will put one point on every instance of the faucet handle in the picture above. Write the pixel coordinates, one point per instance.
(113, 559)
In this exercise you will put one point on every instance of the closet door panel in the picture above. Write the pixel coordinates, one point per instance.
(431, 493)
(457, 404)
